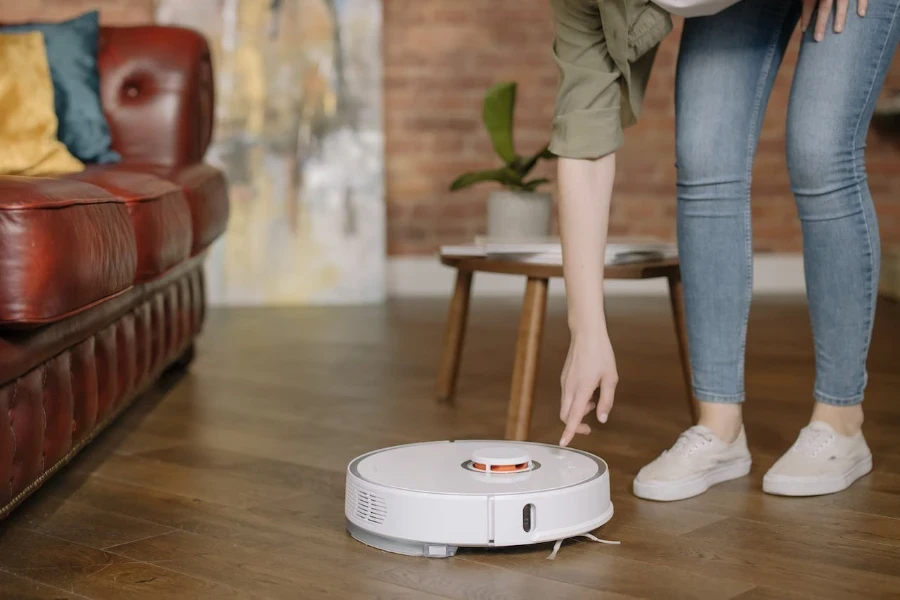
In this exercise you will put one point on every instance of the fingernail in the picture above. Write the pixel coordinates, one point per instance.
(562, 442)
(819, 37)
(603, 417)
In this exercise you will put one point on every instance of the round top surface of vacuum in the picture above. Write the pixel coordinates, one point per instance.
(477, 467)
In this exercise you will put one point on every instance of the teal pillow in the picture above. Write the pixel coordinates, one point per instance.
(72, 54)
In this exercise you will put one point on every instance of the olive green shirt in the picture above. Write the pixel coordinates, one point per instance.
(604, 50)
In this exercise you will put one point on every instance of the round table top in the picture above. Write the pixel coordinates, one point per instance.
(514, 266)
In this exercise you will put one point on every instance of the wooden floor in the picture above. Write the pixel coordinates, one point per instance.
(229, 483)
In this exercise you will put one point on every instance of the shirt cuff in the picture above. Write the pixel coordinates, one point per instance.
(587, 134)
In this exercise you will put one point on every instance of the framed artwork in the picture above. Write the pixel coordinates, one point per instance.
(299, 135)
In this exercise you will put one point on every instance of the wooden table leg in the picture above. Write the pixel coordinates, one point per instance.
(676, 296)
(454, 334)
(531, 327)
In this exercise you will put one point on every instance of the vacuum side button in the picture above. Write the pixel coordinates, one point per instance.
(528, 517)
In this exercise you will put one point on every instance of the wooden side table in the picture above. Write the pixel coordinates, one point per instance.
(531, 325)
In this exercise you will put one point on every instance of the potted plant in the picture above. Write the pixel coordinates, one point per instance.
(518, 210)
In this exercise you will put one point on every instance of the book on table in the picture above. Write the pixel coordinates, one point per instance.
(548, 251)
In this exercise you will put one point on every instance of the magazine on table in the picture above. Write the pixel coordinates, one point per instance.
(549, 250)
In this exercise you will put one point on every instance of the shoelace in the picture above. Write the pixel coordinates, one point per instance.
(690, 441)
(812, 441)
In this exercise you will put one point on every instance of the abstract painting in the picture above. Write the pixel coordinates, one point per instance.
(299, 135)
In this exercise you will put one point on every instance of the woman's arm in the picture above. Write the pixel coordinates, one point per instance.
(585, 191)
(587, 131)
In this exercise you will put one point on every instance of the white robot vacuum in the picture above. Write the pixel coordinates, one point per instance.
(432, 498)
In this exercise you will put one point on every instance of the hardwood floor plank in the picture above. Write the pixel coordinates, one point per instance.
(756, 565)
(579, 564)
(13, 587)
(828, 551)
(226, 403)
(817, 517)
(139, 581)
(49, 560)
(274, 572)
(304, 550)
(82, 524)
(303, 443)
(190, 482)
(96, 574)
(767, 593)
(671, 518)
(266, 523)
(462, 580)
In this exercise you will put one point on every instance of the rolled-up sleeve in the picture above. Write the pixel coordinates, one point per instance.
(587, 121)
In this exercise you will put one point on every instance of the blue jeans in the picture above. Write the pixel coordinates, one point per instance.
(726, 68)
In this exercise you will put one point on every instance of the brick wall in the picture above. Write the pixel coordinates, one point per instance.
(441, 55)
(117, 12)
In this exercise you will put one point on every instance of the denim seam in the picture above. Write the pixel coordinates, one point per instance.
(752, 141)
(872, 271)
(835, 401)
(704, 396)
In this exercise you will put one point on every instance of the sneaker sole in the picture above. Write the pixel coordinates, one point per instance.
(780, 485)
(681, 490)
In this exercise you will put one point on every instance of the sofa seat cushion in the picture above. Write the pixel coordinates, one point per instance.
(64, 246)
(207, 194)
(159, 214)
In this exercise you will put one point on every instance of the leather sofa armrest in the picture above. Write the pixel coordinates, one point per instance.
(158, 93)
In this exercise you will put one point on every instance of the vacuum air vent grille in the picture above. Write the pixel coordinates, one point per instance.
(366, 506)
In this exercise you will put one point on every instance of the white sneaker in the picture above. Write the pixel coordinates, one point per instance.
(697, 461)
(821, 461)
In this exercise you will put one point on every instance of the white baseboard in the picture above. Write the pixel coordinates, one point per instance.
(424, 276)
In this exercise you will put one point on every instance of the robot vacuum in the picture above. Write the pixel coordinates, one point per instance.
(430, 499)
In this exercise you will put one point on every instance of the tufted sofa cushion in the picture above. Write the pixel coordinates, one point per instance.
(64, 247)
(206, 192)
(159, 214)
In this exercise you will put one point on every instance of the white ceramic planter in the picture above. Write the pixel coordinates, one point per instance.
(517, 215)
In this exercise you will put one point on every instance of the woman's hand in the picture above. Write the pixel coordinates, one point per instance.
(589, 365)
(825, 7)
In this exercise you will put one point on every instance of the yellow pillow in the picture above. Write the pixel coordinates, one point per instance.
(28, 143)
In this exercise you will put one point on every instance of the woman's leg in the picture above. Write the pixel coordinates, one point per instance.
(835, 87)
(727, 65)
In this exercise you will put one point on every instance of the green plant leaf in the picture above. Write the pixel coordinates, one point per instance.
(497, 114)
(525, 165)
(530, 186)
(504, 176)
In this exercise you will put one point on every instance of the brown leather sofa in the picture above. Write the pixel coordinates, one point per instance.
(101, 272)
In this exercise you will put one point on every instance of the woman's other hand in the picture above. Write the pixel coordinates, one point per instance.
(840, 8)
